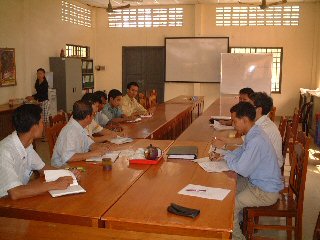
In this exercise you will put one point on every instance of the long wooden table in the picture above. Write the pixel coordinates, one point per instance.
(144, 206)
(19, 229)
(167, 122)
(221, 106)
(103, 190)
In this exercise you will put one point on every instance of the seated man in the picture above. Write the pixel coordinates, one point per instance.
(113, 108)
(73, 143)
(100, 117)
(18, 158)
(259, 176)
(244, 94)
(263, 105)
(94, 128)
(130, 105)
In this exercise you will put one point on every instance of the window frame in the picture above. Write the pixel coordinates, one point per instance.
(87, 49)
(280, 61)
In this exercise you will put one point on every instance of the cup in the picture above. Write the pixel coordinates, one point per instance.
(107, 164)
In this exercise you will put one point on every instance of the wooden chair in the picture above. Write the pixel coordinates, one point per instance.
(272, 114)
(59, 118)
(153, 98)
(52, 135)
(316, 234)
(289, 205)
(282, 126)
(306, 118)
(142, 100)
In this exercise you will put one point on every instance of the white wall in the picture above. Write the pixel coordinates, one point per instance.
(34, 28)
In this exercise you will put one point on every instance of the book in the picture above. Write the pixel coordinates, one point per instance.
(183, 152)
(53, 175)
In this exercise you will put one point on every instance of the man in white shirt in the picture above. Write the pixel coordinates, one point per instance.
(101, 134)
(73, 143)
(18, 158)
(263, 105)
(130, 105)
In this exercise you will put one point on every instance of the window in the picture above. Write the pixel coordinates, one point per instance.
(146, 17)
(276, 66)
(75, 14)
(77, 51)
(254, 16)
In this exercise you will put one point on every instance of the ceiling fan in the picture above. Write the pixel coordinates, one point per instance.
(264, 4)
(110, 8)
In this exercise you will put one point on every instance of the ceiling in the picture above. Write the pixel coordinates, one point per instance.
(104, 3)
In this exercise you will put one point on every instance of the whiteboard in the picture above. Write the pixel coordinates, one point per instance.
(252, 70)
(194, 59)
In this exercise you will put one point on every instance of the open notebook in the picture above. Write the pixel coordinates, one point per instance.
(52, 175)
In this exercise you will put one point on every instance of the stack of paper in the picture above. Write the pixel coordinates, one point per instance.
(146, 116)
(53, 175)
(113, 155)
(135, 120)
(121, 140)
(218, 126)
(204, 192)
(221, 117)
(183, 152)
(214, 166)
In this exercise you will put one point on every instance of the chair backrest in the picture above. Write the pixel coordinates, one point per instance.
(286, 140)
(59, 118)
(282, 126)
(142, 99)
(298, 172)
(52, 135)
(272, 114)
(295, 124)
(153, 98)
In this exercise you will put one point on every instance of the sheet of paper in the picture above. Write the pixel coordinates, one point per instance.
(200, 160)
(212, 166)
(68, 191)
(221, 117)
(220, 127)
(121, 140)
(146, 116)
(52, 175)
(135, 120)
(204, 192)
(113, 155)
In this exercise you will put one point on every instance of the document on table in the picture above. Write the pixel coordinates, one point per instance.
(212, 166)
(135, 120)
(219, 127)
(204, 192)
(113, 155)
(52, 175)
(146, 116)
(121, 140)
(221, 117)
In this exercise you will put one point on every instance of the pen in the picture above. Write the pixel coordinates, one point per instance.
(196, 190)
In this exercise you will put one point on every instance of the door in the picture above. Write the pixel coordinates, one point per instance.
(144, 65)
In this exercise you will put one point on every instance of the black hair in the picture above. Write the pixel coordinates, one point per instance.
(132, 84)
(244, 109)
(101, 94)
(261, 99)
(114, 93)
(25, 116)
(41, 69)
(246, 90)
(91, 98)
(81, 109)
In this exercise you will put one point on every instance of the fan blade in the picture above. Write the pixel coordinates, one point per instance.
(245, 3)
(121, 7)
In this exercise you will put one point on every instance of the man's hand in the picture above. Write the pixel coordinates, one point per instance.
(218, 142)
(62, 183)
(213, 156)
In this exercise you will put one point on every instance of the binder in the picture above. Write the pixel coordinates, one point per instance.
(183, 152)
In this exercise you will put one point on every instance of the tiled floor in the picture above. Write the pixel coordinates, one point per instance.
(311, 201)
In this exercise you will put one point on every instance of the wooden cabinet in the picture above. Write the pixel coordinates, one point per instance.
(6, 126)
(67, 80)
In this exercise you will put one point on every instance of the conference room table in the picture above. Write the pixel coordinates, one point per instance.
(20, 229)
(144, 206)
(103, 189)
(167, 122)
(221, 106)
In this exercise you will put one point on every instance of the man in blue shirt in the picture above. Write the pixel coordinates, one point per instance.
(113, 108)
(259, 176)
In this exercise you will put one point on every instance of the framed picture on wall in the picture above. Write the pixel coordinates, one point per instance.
(7, 67)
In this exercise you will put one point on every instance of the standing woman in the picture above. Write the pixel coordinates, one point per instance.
(41, 96)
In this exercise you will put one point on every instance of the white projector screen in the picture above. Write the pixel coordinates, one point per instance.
(246, 70)
(194, 59)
